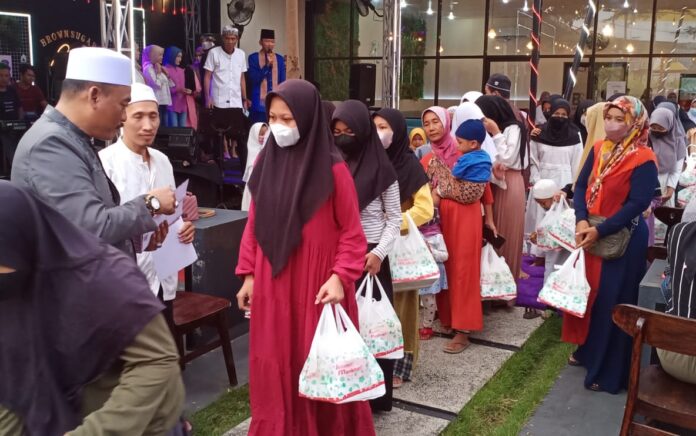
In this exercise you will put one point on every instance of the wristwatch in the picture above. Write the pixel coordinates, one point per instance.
(152, 204)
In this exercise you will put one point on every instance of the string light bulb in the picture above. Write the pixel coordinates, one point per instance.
(430, 8)
(492, 34)
(626, 5)
(630, 48)
(525, 8)
(608, 30)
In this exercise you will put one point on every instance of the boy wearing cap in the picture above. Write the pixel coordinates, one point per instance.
(475, 164)
(266, 72)
(546, 193)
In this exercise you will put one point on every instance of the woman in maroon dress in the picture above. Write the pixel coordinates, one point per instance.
(303, 246)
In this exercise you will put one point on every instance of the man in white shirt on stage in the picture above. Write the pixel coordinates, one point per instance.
(224, 88)
(134, 168)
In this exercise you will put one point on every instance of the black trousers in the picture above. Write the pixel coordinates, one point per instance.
(383, 403)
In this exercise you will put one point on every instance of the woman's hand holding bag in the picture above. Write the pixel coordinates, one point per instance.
(567, 289)
(411, 262)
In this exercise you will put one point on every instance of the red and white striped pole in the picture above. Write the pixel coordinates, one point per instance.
(534, 62)
(584, 34)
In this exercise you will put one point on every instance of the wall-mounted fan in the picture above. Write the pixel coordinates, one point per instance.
(365, 6)
(240, 12)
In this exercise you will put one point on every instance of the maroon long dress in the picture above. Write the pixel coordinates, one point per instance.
(284, 318)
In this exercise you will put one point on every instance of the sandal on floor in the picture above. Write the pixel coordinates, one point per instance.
(443, 330)
(426, 333)
(595, 387)
(457, 346)
(397, 382)
(572, 361)
(530, 313)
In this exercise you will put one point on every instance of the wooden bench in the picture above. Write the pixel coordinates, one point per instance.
(652, 392)
(193, 310)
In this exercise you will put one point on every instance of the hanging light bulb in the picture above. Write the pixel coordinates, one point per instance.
(530, 45)
(403, 3)
(635, 10)
(525, 8)
(506, 2)
(451, 14)
(630, 48)
(607, 30)
(626, 5)
(152, 6)
(430, 8)
(174, 8)
(492, 34)
(164, 8)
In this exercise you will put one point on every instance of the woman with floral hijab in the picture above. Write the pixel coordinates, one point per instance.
(615, 186)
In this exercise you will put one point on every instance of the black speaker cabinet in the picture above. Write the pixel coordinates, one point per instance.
(178, 143)
(362, 83)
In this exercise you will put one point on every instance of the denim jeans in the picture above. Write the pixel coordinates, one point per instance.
(175, 119)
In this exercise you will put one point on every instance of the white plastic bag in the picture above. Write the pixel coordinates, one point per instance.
(340, 368)
(380, 327)
(553, 231)
(688, 177)
(567, 289)
(411, 262)
(497, 282)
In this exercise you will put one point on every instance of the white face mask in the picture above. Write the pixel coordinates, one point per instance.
(285, 136)
(386, 137)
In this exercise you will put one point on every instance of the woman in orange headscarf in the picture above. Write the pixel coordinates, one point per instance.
(617, 182)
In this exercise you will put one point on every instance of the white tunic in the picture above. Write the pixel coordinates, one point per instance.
(226, 82)
(133, 177)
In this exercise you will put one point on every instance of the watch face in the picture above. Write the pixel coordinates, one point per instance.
(155, 203)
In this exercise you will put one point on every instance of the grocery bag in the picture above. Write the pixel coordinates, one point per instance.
(544, 240)
(340, 368)
(380, 327)
(688, 177)
(497, 282)
(411, 262)
(685, 195)
(567, 288)
(562, 230)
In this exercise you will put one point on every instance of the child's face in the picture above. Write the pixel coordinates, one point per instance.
(545, 203)
(467, 145)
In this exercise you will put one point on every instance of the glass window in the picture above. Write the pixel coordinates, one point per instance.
(417, 91)
(668, 34)
(561, 27)
(510, 24)
(333, 77)
(678, 76)
(624, 27)
(368, 36)
(626, 75)
(332, 24)
(462, 27)
(458, 76)
(419, 28)
(552, 74)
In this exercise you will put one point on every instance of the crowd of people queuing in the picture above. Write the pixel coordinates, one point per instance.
(329, 189)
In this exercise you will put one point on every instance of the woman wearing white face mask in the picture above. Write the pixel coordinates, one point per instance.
(614, 188)
(258, 135)
(378, 200)
(303, 247)
(417, 201)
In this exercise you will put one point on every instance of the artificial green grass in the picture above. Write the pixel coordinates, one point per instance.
(225, 413)
(505, 403)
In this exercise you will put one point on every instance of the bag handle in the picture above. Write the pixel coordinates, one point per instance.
(367, 282)
(382, 293)
(412, 227)
(327, 322)
(343, 318)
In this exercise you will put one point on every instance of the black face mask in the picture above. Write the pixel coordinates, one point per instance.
(547, 114)
(557, 123)
(349, 145)
(14, 283)
(656, 134)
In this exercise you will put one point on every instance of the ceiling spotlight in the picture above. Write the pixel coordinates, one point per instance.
(506, 2)
(450, 16)
(630, 48)
(492, 34)
(626, 5)
(430, 8)
(525, 8)
(607, 30)
(529, 45)
(635, 10)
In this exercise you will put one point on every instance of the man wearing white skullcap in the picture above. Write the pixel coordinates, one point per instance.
(56, 160)
(135, 168)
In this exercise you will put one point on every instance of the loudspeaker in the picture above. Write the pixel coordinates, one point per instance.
(178, 143)
(362, 83)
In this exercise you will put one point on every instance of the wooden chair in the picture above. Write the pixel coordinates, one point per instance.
(193, 310)
(651, 391)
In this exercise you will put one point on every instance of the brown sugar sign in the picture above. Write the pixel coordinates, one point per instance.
(63, 34)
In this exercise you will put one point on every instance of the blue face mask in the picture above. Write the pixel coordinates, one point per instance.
(692, 111)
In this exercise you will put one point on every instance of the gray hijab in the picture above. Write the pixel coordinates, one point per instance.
(671, 147)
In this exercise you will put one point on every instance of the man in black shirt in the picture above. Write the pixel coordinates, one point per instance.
(10, 109)
(10, 106)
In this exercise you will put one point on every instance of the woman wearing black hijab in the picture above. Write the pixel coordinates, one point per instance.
(579, 117)
(79, 325)
(378, 199)
(416, 200)
(509, 137)
(302, 247)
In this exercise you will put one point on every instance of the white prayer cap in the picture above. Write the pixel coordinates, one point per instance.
(544, 189)
(101, 65)
(141, 92)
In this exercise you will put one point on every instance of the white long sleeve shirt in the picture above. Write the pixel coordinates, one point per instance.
(133, 177)
(381, 220)
(507, 145)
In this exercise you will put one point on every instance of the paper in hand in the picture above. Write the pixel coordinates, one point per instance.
(173, 256)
